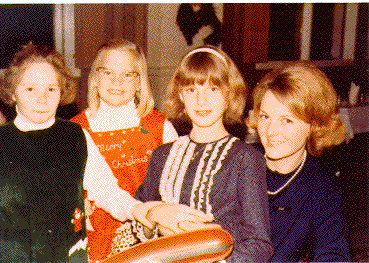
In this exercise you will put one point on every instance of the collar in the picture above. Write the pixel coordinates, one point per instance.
(114, 118)
(104, 108)
(24, 124)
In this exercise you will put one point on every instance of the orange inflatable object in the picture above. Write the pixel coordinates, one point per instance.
(207, 245)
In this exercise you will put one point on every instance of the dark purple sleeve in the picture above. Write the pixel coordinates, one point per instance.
(149, 189)
(251, 233)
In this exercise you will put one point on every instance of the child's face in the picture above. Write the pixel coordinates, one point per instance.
(119, 78)
(204, 104)
(38, 93)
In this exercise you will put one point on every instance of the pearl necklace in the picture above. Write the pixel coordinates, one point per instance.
(291, 179)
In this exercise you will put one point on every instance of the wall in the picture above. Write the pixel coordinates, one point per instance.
(97, 23)
(166, 45)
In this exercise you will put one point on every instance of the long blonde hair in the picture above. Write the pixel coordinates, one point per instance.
(144, 100)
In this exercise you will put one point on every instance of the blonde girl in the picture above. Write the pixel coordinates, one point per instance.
(123, 124)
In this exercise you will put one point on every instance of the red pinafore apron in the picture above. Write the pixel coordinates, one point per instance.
(127, 152)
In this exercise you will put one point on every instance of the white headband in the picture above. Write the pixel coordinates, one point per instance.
(208, 50)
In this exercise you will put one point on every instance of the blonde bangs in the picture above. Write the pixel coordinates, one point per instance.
(144, 100)
(202, 65)
(201, 68)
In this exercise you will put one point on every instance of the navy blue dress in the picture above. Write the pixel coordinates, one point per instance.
(306, 218)
(225, 178)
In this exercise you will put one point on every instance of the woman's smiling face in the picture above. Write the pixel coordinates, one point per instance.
(282, 134)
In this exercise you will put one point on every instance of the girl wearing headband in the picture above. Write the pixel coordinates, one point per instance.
(209, 169)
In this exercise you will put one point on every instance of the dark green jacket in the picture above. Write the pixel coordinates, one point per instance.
(41, 191)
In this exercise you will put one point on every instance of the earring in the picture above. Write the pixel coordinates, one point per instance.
(137, 97)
